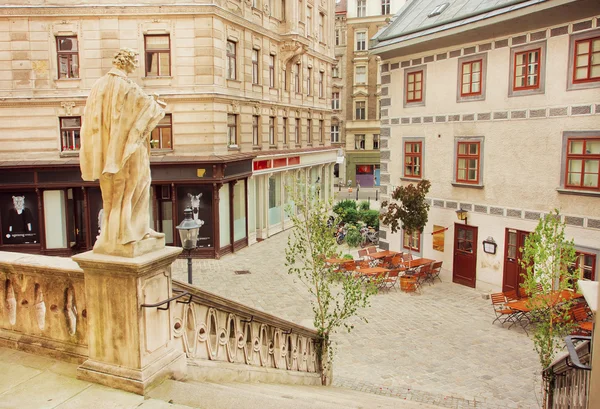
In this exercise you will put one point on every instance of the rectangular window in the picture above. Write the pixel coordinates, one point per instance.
(309, 130)
(360, 75)
(321, 131)
(255, 129)
(309, 82)
(586, 263)
(255, 71)
(272, 71)
(527, 70)
(361, 41)
(337, 36)
(360, 110)
(297, 131)
(335, 100)
(285, 134)
(309, 27)
(335, 133)
(467, 162)
(375, 141)
(69, 133)
(414, 86)
(321, 27)
(285, 80)
(361, 8)
(231, 130)
(413, 157)
(412, 242)
(158, 55)
(335, 71)
(231, 60)
(587, 60)
(162, 135)
(471, 78)
(282, 10)
(359, 142)
(385, 7)
(321, 85)
(67, 51)
(297, 83)
(583, 163)
(272, 130)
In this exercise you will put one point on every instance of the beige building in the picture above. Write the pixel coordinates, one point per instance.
(357, 89)
(247, 85)
(499, 110)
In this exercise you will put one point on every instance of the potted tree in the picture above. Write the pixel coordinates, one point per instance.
(408, 211)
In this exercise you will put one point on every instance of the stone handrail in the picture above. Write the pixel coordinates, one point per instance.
(217, 329)
(42, 305)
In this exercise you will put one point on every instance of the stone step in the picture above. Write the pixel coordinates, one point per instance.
(270, 396)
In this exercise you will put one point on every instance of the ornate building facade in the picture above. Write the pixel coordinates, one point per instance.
(247, 86)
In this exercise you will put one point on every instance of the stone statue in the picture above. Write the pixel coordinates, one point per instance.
(115, 148)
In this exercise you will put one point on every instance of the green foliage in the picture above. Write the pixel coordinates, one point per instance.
(347, 211)
(353, 237)
(410, 210)
(364, 205)
(344, 205)
(335, 297)
(548, 258)
(370, 218)
(348, 257)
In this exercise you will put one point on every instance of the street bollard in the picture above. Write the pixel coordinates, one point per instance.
(356, 194)
(377, 195)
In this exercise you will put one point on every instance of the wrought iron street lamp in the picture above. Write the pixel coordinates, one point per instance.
(188, 233)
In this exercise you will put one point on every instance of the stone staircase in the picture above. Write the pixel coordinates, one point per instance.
(203, 395)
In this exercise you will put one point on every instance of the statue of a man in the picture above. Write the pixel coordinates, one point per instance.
(115, 148)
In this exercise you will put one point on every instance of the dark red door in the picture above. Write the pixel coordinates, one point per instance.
(464, 268)
(513, 250)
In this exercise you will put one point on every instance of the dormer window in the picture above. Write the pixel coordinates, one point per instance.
(438, 10)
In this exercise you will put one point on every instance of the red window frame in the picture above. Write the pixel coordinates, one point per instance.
(411, 78)
(527, 64)
(582, 157)
(410, 246)
(470, 81)
(589, 65)
(70, 136)
(467, 156)
(411, 157)
(580, 257)
(69, 57)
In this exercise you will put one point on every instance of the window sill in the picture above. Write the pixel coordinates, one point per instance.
(564, 191)
(156, 151)
(233, 80)
(257, 148)
(69, 154)
(409, 179)
(298, 145)
(233, 148)
(472, 186)
(67, 82)
(272, 146)
(166, 80)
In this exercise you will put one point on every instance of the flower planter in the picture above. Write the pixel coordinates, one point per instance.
(408, 284)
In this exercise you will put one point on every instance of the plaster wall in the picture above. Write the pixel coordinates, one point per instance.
(373, 8)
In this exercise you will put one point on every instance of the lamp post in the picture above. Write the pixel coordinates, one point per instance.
(188, 233)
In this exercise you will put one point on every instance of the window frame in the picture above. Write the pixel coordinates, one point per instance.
(235, 130)
(147, 53)
(297, 82)
(526, 65)
(385, 7)
(356, 74)
(309, 22)
(159, 128)
(321, 27)
(574, 40)
(255, 130)
(415, 80)
(231, 57)
(410, 246)
(361, 8)
(335, 132)
(581, 254)
(284, 123)
(583, 157)
(272, 62)
(272, 124)
(514, 91)
(360, 45)
(357, 117)
(467, 157)
(321, 84)
(297, 131)
(376, 141)
(321, 131)
(412, 155)
(71, 131)
(309, 81)
(335, 102)
(460, 97)
(69, 55)
(360, 142)
(309, 131)
(255, 66)
(407, 73)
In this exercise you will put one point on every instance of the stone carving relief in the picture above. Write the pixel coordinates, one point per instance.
(234, 108)
(71, 310)
(39, 307)
(11, 303)
(267, 9)
(256, 109)
(291, 51)
(68, 107)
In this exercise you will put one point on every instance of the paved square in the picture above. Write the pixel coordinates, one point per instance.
(436, 347)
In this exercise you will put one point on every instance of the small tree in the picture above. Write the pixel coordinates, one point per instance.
(409, 211)
(548, 258)
(336, 298)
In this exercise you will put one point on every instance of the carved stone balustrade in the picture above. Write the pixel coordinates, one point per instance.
(228, 341)
(42, 306)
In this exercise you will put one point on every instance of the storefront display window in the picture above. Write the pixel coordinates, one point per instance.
(55, 219)
(239, 210)
(19, 218)
(199, 198)
(224, 219)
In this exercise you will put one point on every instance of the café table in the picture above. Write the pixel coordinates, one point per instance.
(418, 262)
(336, 260)
(383, 254)
(372, 271)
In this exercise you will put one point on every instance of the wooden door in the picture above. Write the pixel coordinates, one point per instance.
(513, 251)
(464, 268)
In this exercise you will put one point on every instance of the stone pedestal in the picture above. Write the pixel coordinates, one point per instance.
(130, 347)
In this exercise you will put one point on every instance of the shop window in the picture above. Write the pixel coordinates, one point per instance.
(67, 51)
(162, 135)
(239, 210)
(158, 55)
(70, 128)
(19, 218)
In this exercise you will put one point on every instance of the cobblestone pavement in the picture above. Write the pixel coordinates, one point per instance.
(436, 347)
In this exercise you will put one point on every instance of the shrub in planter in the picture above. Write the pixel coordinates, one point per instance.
(353, 237)
(370, 218)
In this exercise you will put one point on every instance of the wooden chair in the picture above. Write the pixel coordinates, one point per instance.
(503, 312)
(363, 254)
(522, 293)
(436, 269)
(422, 275)
(372, 249)
(348, 267)
(390, 280)
(406, 257)
(511, 295)
(396, 261)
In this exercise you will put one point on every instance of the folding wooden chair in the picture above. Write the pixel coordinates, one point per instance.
(511, 295)
(406, 257)
(372, 249)
(362, 253)
(503, 312)
(436, 269)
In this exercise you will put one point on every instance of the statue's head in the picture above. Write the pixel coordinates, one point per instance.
(126, 60)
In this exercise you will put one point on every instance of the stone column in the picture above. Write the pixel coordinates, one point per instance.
(130, 347)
